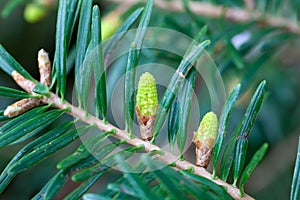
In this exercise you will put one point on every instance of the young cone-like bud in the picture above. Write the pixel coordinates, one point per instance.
(146, 105)
(21, 106)
(44, 67)
(204, 139)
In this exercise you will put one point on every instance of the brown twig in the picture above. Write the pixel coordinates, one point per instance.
(24, 105)
(166, 156)
(215, 11)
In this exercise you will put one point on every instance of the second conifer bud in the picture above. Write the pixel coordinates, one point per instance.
(204, 139)
(146, 105)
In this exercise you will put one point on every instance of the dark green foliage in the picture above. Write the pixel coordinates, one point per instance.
(223, 122)
(50, 189)
(66, 18)
(74, 8)
(125, 189)
(295, 190)
(83, 69)
(2, 117)
(14, 123)
(5, 177)
(12, 93)
(171, 91)
(256, 159)
(29, 125)
(83, 36)
(99, 72)
(180, 110)
(60, 57)
(132, 62)
(9, 64)
(173, 124)
(135, 184)
(239, 158)
(247, 124)
(83, 188)
(228, 155)
(53, 186)
(205, 184)
(236, 148)
(186, 99)
(47, 149)
(83, 151)
(104, 165)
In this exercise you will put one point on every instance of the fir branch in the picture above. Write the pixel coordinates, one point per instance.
(237, 15)
(164, 156)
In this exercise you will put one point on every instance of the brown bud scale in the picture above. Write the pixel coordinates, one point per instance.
(21, 106)
(146, 124)
(203, 152)
(24, 83)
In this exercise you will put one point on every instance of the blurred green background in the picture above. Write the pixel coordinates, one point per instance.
(245, 53)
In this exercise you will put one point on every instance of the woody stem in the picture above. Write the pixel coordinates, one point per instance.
(165, 156)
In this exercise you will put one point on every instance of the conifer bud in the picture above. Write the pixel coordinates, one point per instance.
(146, 105)
(24, 105)
(204, 139)
(21, 106)
(44, 67)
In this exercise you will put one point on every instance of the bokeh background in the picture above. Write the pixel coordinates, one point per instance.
(244, 52)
